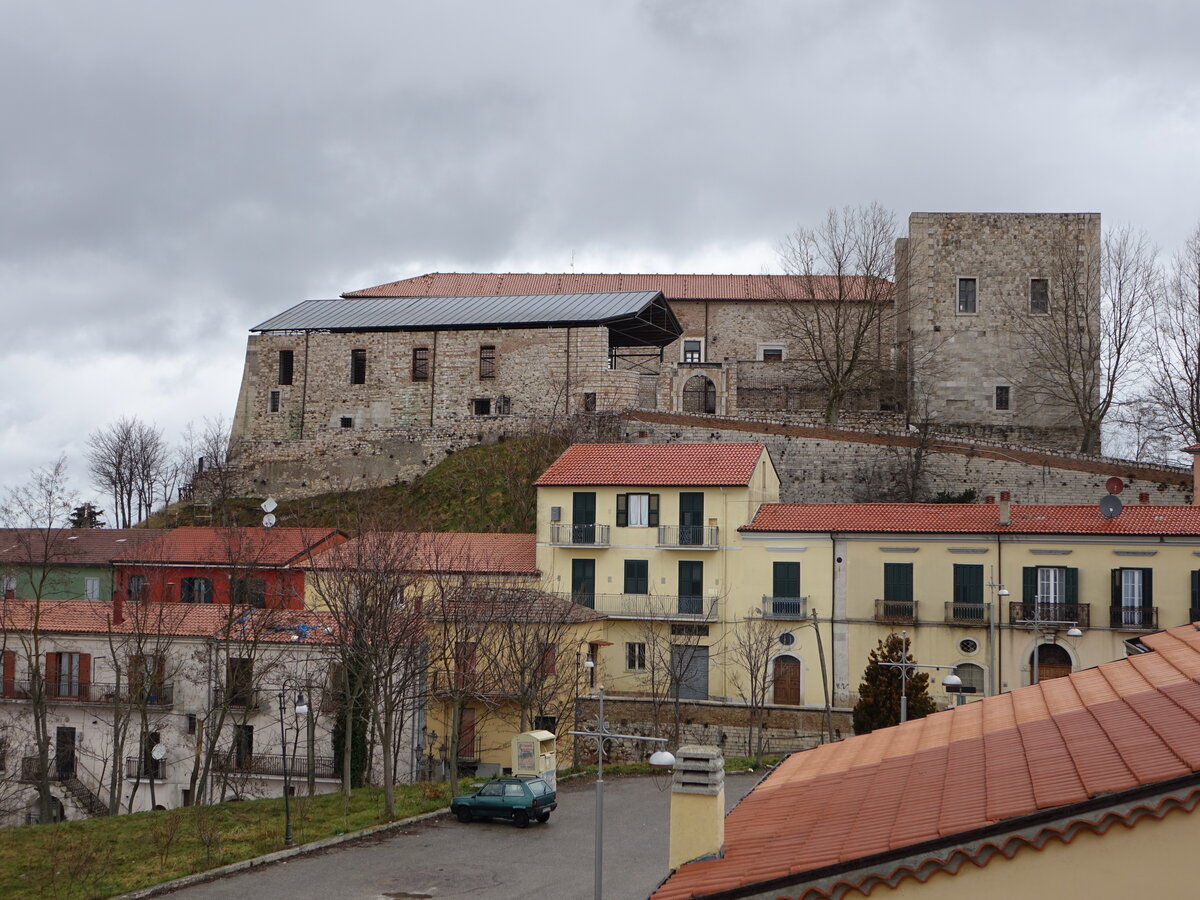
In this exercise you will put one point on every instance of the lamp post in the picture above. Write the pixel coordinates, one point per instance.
(1039, 625)
(1001, 593)
(287, 809)
(430, 740)
(304, 708)
(661, 758)
(905, 667)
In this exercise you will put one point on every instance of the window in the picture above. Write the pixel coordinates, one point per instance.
(273, 402)
(785, 590)
(358, 366)
(249, 592)
(65, 674)
(347, 422)
(966, 645)
(1002, 397)
(691, 518)
(420, 364)
(635, 657)
(464, 663)
(637, 576)
(547, 661)
(1132, 597)
(286, 360)
(589, 401)
(971, 675)
(966, 295)
(583, 517)
(10, 583)
(545, 723)
(898, 583)
(195, 590)
(191, 723)
(136, 588)
(770, 353)
(495, 789)
(91, 589)
(693, 350)
(503, 406)
(583, 582)
(243, 745)
(1039, 296)
(691, 587)
(487, 361)
(684, 630)
(239, 681)
(1050, 586)
(481, 406)
(637, 510)
(147, 674)
(968, 593)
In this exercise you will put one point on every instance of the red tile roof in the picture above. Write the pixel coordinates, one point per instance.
(650, 465)
(915, 790)
(261, 547)
(179, 619)
(457, 552)
(968, 518)
(674, 287)
(70, 546)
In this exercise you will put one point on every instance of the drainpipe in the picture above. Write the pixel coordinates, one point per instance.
(304, 390)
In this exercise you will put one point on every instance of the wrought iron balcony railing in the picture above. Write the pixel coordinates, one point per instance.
(900, 612)
(1133, 618)
(563, 534)
(138, 767)
(269, 764)
(785, 607)
(693, 537)
(648, 606)
(1020, 613)
(91, 692)
(967, 613)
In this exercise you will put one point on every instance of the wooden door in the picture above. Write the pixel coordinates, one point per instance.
(786, 679)
(466, 734)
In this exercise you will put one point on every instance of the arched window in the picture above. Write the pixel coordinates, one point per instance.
(971, 675)
(699, 395)
(1053, 662)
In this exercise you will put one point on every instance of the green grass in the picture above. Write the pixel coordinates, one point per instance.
(110, 856)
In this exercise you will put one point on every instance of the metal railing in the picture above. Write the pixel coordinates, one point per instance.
(238, 697)
(900, 612)
(785, 607)
(1020, 613)
(648, 606)
(272, 764)
(564, 534)
(472, 750)
(470, 683)
(139, 767)
(967, 613)
(1133, 618)
(91, 692)
(694, 536)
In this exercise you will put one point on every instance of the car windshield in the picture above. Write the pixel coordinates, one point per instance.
(539, 787)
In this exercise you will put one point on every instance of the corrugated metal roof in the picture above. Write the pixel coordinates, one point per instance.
(418, 314)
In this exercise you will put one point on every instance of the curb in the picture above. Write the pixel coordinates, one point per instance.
(278, 856)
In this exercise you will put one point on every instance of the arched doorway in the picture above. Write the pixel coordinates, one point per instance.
(785, 678)
(699, 395)
(1053, 661)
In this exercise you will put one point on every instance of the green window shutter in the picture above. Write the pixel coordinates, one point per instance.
(1195, 588)
(583, 508)
(1029, 584)
(622, 510)
(637, 576)
(1071, 578)
(1116, 588)
(1147, 588)
(786, 579)
(898, 582)
(583, 577)
(653, 519)
(968, 584)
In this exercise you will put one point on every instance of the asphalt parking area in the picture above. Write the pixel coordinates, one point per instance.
(443, 858)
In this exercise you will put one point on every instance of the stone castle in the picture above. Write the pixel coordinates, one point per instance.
(374, 387)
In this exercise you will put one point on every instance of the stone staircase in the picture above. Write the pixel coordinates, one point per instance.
(84, 798)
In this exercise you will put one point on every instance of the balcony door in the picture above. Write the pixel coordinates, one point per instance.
(583, 582)
(691, 587)
(583, 517)
(691, 518)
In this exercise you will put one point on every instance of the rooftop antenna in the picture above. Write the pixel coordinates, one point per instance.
(1110, 506)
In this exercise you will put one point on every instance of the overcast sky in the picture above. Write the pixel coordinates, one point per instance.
(172, 174)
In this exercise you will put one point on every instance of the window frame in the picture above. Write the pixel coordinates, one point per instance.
(684, 353)
(286, 369)
(635, 656)
(636, 574)
(487, 362)
(1046, 298)
(624, 508)
(188, 588)
(274, 401)
(420, 364)
(1005, 391)
(959, 300)
(481, 406)
(358, 365)
(91, 588)
(764, 349)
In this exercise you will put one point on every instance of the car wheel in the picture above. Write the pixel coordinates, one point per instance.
(464, 814)
(544, 817)
(521, 818)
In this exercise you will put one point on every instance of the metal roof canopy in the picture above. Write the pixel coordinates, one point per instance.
(634, 318)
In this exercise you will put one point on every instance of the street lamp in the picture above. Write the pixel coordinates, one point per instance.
(905, 667)
(660, 758)
(301, 707)
(1038, 625)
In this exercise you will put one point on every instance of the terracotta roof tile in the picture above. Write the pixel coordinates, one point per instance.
(1130, 723)
(970, 518)
(71, 546)
(674, 287)
(262, 547)
(456, 552)
(651, 465)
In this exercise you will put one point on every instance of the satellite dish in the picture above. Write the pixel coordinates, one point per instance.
(1110, 506)
(1114, 485)
(268, 505)
(269, 520)
(158, 751)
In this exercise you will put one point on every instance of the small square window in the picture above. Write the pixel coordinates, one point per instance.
(693, 350)
(273, 402)
(1039, 296)
(481, 406)
(420, 364)
(1002, 397)
(358, 366)
(286, 360)
(772, 354)
(347, 422)
(487, 361)
(967, 302)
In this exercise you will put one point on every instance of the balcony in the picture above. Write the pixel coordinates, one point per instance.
(795, 608)
(1023, 613)
(896, 612)
(1133, 618)
(92, 692)
(967, 613)
(649, 606)
(268, 764)
(469, 684)
(139, 768)
(566, 535)
(692, 537)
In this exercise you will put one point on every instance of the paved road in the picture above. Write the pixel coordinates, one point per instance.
(443, 859)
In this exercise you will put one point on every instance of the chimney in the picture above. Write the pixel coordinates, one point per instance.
(989, 499)
(118, 615)
(1005, 508)
(1144, 498)
(697, 805)
(10, 593)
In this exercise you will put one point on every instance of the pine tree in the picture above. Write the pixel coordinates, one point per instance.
(878, 703)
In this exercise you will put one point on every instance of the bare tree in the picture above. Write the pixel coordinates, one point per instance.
(206, 453)
(751, 654)
(673, 652)
(128, 460)
(39, 511)
(838, 302)
(1175, 345)
(1083, 350)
